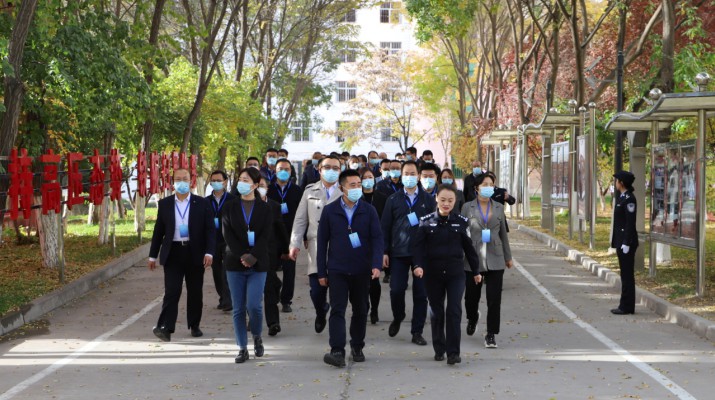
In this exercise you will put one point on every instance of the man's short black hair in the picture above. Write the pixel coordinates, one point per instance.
(430, 167)
(252, 158)
(271, 150)
(385, 160)
(220, 172)
(283, 151)
(284, 160)
(345, 154)
(410, 162)
(362, 158)
(412, 150)
(427, 153)
(330, 157)
(398, 154)
(346, 174)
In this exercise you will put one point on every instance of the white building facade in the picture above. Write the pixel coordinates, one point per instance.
(385, 27)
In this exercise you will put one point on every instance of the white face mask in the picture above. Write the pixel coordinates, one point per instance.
(263, 191)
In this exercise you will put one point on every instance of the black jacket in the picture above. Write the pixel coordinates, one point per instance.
(498, 196)
(310, 175)
(293, 194)
(217, 211)
(443, 242)
(396, 227)
(202, 234)
(624, 222)
(279, 237)
(235, 232)
(469, 193)
(377, 199)
(387, 187)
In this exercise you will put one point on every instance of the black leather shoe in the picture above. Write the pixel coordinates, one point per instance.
(334, 358)
(227, 307)
(242, 356)
(386, 279)
(618, 311)
(357, 355)
(286, 308)
(439, 356)
(320, 322)
(419, 340)
(453, 359)
(471, 327)
(274, 329)
(395, 327)
(258, 346)
(374, 318)
(196, 332)
(162, 333)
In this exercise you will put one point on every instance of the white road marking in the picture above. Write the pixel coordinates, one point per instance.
(15, 390)
(615, 347)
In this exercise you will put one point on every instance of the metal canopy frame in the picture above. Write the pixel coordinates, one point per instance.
(665, 111)
(506, 134)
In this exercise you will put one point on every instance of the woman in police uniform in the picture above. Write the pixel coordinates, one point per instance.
(625, 240)
(439, 247)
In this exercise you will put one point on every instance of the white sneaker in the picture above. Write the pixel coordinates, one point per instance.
(490, 342)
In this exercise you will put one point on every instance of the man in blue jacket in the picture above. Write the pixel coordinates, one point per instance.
(349, 256)
(400, 220)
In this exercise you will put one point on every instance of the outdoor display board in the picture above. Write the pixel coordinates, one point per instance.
(560, 174)
(673, 194)
(582, 190)
(505, 169)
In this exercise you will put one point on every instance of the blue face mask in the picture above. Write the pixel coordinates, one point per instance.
(217, 186)
(181, 187)
(283, 175)
(342, 167)
(314, 162)
(409, 181)
(374, 161)
(476, 170)
(427, 183)
(486, 192)
(243, 188)
(368, 183)
(271, 160)
(409, 158)
(395, 173)
(330, 176)
(447, 181)
(354, 194)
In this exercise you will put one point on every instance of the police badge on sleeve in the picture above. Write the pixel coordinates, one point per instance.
(631, 207)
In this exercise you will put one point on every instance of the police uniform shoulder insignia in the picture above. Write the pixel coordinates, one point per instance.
(465, 219)
(631, 207)
(627, 197)
(425, 217)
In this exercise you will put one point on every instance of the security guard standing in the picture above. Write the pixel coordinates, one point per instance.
(439, 247)
(625, 240)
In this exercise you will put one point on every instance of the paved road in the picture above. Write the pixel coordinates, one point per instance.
(558, 341)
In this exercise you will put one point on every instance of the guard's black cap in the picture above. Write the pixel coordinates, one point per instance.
(626, 177)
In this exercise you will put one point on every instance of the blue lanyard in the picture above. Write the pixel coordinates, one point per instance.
(247, 218)
(485, 219)
(412, 204)
(282, 193)
(394, 188)
(220, 204)
(350, 216)
(186, 210)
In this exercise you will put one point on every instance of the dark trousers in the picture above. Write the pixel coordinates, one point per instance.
(628, 280)
(319, 296)
(355, 288)
(271, 298)
(375, 293)
(494, 281)
(177, 269)
(401, 271)
(440, 283)
(288, 281)
(219, 275)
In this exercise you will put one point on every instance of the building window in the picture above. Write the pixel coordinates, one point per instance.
(389, 12)
(390, 96)
(386, 134)
(349, 17)
(339, 134)
(390, 48)
(348, 55)
(300, 131)
(346, 91)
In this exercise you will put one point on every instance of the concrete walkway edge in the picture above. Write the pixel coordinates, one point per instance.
(76, 289)
(678, 315)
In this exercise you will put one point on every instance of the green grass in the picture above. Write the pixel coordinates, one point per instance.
(23, 278)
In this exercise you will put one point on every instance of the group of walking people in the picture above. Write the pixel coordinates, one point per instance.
(356, 216)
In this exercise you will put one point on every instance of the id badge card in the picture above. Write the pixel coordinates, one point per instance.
(184, 231)
(284, 208)
(251, 238)
(412, 217)
(216, 222)
(486, 236)
(355, 240)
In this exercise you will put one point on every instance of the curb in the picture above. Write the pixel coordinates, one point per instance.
(76, 289)
(670, 312)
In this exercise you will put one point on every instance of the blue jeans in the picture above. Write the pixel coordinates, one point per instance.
(246, 293)
(401, 271)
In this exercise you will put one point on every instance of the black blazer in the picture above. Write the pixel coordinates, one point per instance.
(310, 175)
(292, 198)
(378, 200)
(235, 232)
(280, 239)
(214, 206)
(202, 234)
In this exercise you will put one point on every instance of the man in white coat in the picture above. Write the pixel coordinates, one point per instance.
(315, 197)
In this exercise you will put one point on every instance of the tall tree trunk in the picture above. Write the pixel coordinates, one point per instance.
(667, 66)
